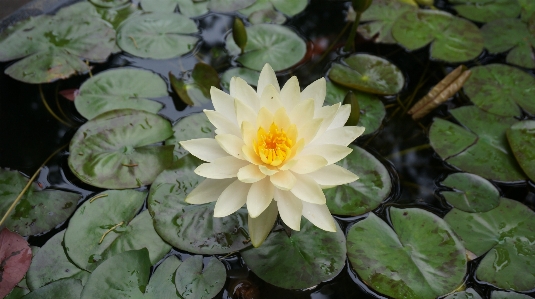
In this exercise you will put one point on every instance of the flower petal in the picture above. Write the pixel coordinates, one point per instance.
(223, 125)
(248, 133)
(222, 168)
(205, 149)
(290, 93)
(267, 77)
(302, 112)
(244, 113)
(306, 189)
(261, 226)
(259, 197)
(319, 215)
(264, 119)
(231, 144)
(284, 180)
(239, 89)
(231, 199)
(308, 163)
(341, 117)
(331, 152)
(309, 130)
(250, 174)
(282, 120)
(333, 175)
(270, 99)
(327, 113)
(267, 171)
(208, 191)
(290, 208)
(251, 156)
(223, 103)
(340, 136)
(317, 90)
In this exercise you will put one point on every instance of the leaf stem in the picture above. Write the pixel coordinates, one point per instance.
(333, 44)
(97, 197)
(350, 43)
(50, 110)
(109, 231)
(58, 105)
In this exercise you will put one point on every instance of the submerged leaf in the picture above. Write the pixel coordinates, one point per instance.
(15, 258)
(193, 281)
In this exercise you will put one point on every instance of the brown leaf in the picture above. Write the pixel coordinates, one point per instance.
(70, 94)
(15, 259)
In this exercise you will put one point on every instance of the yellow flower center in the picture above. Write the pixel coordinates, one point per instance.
(273, 147)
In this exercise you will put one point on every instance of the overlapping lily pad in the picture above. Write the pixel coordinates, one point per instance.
(250, 76)
(471, 193)
(116, 16)
(521, 137)
(109, 3)
(468, 294)
(506, 236)
(300, 260)
(162, 284)
(289, 8)
(453, 39)
(193, 281)
(195, 91)
(188, 8)
(368, 73)
(69, 288)
(190, 127)
(508, 295)
(37, 211)
(481, 148)
(15, 258)
(193, 227)
(366, 193)
(229, 5)
(420, 257)
(487, 10)
(157, 35)
(527, 9)
(116, 149)
(277, 45)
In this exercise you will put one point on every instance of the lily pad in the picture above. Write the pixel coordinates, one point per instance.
(106, 227)
(191, 127)
(277, 45)
(372, 110)
(368, 73)
(195, 91)
(468, 294)
(301, 260)
(289, 8)
(366, 193)
(17, 293)
(510, 34)
(120, 89)
(506, 236)
(109, 3)
(521, 137)
(157, 35)
(115, 149)
(195, 282)
(471, 193)
(69, 288)
(162, 283)
(508, 295)
(37, 211)
(453, 39)
(527, 9)
(269, 16)
(487, 10)
(122, 276)
(116, 16)
(188, 227)
(483, 150)
(419, 257)
(229, 5)
(15, 258)
(250, 76)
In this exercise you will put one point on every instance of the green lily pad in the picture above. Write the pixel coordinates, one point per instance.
(194, 282)
(453, 39)
(302, 260)
(114, 150)
(17, 293)
(229, 5)
(157, 35)
(508, 295)
(269, 16)
(380, 18)
(368, 73)
(487, 10)
(483, 150)
(37, 211)
(366, 193)
(498, 88)
(289, 8)
(120, 89)
(51, 264)
(107, 227)
(468, 294)
(116, 16)
(277, 45)
(527, 9)
(471, 193)
(405, 261)
(250, 76)
(69, 288)
(521, 137)
(122, 276)
(162, 283)
(191, 127)
(188, 227)
(506, 236)
(372, 110)
(195, 91)
(510, 34)
(109, 3)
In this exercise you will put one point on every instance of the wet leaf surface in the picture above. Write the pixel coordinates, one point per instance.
(190, 127)
(15, 258)
(193, 281)
(471, 193)
(521, 137)
(162, 282)
(486, 10)
(69, 288)
(404, 261)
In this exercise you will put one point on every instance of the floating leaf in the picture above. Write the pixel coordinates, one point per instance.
(250, 76)
(196, 91)
(228, 5)
(508, 295)
(116, 16)
(521, 137)
(115, 149)
(17, 293)
(290, 8)
(109, 3)
(381, 16)
(205, 76)
(302, 260)
(162, 283)
(468, 294)
(471, 193)
(15, 258)
(268, 43)
(269, 16)
(368, 73)
(527, 9)
(188, 227)
(366, 193)
(106, 227)
(195, 282)
(37, 211)
(157, 35)
(506, 236)
(483, 151)
(120, 89)
(405, 261)
(454, 39)
(191, 127)
(70, 288)
(487, 10)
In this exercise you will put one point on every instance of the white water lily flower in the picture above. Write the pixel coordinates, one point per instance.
(274, 151)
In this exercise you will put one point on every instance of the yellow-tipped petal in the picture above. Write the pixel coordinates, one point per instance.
(283, 180)
(259, 197)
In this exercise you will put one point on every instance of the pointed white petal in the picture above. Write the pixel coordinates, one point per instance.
(281, 119)
(223, 125)
(267, 77)
(331, 152)
(251, 156)
(319, 215)
(223, 103)
(288, 165)
(333, 175)
(250, 174)
(208, 191)
(290, 208)
(340, 136)
(317, 90)
(270, 99)
(205, 149)
(283, 180)
(309, 130)
(248, 133)
(306, 189)
(341, 117)
(222, 168)
(231, 144)
(244, 113)
(231, 199)
(306, 164)
(264, 119)
(327, 113)
(267, 171)
(244, 93)
(261, 226)
(290, 93)
(259, 197)
(302, 112)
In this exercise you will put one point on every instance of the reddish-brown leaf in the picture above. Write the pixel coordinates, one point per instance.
(70, 94)
(15, 259)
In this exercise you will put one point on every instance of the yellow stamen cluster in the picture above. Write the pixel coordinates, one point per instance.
(273, 147)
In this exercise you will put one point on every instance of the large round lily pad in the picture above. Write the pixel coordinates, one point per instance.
(487, 10)
(508, 295)
(301, 260)
(507, 235)
(468, 294)
(120, 89)
(521, 137)
(366, 193)
(37, 211)
(289, 8)
(368, 73)
(250, 76)
(115, 149)
(187, 8)
(277, 45)
(193, 281)
(162, 283)
(483, 150)
(192, 227)
(500, 89)
(420, 257)
(69, 288)
(157, 35)
(228, 5)
(191, 127)
(471, 193)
